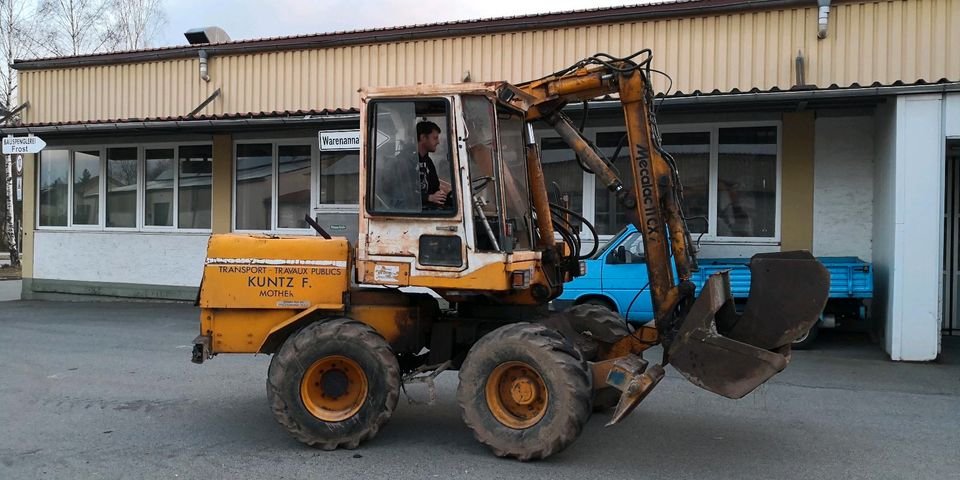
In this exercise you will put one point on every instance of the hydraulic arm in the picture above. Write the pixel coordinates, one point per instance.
(705, 338)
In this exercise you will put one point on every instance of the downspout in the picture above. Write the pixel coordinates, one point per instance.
(203, 66)
(822, 18)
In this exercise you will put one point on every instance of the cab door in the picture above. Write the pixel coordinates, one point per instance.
(402, 234)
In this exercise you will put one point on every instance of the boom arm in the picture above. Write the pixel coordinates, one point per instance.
(705, 338)
(653, 196)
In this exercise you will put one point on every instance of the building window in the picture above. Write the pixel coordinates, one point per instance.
(293, 185)
(254, 194)
(272, 186)
(158, 198)
(122, 187)
(691, 152)
(117, 193)
(729, 176)
(195, 184)
(340, 178)
(86, 187)
(562, 173)
(610, 216)
(747, 182)
(53, 185)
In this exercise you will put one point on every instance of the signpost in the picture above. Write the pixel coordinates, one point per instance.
(16, 146)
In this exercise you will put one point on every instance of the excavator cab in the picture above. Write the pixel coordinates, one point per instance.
(452, 213)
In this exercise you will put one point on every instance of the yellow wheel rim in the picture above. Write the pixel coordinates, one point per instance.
(334, 388)
(516, 395)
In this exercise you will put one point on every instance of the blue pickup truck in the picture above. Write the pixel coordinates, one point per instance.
(617, 279)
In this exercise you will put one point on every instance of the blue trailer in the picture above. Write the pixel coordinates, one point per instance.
(617, 279)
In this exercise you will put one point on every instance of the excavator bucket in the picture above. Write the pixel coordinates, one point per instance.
(731, 353)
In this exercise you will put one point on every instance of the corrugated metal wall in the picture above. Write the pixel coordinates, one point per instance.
(879, 41)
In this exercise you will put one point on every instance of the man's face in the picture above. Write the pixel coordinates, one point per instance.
(430, 141)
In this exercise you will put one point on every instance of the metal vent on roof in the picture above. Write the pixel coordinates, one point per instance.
(196, 36)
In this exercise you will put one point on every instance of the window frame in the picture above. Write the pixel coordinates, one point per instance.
(713, 128)
(101, 225)
(275, 144)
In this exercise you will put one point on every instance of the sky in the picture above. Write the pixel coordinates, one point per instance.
(245, 19)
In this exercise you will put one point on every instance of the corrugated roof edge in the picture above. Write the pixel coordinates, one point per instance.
(876, 89)
(413, 32)
(225, 116)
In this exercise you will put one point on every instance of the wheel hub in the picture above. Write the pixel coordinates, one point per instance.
(523, 391)
(516, 395)
(334, 388)
(334, 384)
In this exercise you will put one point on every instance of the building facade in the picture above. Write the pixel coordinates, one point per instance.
(843, 145)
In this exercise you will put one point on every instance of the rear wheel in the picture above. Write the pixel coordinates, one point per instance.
(524, 391)
(334, 384)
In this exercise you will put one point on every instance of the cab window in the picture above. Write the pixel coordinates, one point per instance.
(410, 161)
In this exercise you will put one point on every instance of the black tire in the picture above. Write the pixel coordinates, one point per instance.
(806, 341)
(604, 327)
(600, 302)
(338, 337)
(597, 320)
(563, 372)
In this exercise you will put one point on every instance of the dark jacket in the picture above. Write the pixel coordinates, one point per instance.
(429, 181)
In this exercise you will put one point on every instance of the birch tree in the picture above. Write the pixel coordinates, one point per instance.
(77, 27)
(137, 23)
(18, 21)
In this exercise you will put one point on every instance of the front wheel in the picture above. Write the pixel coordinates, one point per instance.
(524, 391)
(334, 384)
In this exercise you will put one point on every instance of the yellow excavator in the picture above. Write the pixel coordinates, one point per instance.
(347, 334)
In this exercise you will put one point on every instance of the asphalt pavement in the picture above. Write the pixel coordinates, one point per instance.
(107, 390)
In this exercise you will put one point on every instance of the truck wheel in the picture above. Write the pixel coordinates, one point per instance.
(524, 391)
(604, 327)
(805, 341)
(334, 384)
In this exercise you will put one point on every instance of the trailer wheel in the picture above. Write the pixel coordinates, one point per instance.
(334, 384)
(524, 391)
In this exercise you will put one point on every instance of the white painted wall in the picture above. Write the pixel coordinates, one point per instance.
(920, 158)
(843, 187)
(908, 213)
(884, 219)
(115, 257)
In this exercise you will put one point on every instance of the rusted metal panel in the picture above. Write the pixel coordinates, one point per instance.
(881, 41)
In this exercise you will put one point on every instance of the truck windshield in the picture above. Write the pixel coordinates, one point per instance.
(603, 248)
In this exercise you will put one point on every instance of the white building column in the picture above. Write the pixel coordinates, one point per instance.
(908, 224)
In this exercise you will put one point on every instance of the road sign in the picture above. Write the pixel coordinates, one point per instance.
(29, 144)
(334, 140)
